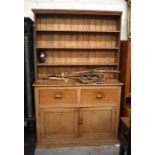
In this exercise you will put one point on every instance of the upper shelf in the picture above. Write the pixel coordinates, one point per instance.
(69, 30)
(77, 23)
(89, 48)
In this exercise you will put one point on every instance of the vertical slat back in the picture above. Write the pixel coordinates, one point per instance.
(74, 42)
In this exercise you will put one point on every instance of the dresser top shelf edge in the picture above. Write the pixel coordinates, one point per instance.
(69, 11)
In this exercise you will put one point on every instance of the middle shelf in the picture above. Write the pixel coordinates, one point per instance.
(77, 40)
(59, 64)
(76, 57)
(80, 31)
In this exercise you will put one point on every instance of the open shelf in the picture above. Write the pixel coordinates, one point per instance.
(43, 64)
(53, 39)
(78, 22)
(69, 30)
(77, 42)
(90, 48)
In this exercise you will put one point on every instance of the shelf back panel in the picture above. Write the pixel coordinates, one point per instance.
(66, 57)
(76, 40)
(47, 22)
(44, 72)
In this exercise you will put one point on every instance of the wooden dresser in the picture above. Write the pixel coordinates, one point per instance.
(69, 112)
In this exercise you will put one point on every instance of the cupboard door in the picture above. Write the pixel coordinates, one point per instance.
(97, 122)
(58, 123)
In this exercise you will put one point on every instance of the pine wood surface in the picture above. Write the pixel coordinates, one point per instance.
(69, 112)
(47, 96)
(69, 11)
(97, 122)
(70, 122)
(58, 123)
(98, 95)
(74, 83)
(76, 142)
(70, 38)
(73, 40)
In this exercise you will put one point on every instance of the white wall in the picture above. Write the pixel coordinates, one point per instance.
(119, 5)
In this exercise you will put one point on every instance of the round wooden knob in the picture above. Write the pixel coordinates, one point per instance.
(57, 96)
(80, 122)
(99, 96)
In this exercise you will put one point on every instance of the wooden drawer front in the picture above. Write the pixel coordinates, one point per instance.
(53, 96)
(89, 96)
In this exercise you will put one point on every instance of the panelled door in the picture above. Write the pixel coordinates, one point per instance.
(70, 123)
(96, 122)
(58, 123)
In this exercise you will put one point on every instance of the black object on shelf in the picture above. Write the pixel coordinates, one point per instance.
(42, 56)
(28, 74)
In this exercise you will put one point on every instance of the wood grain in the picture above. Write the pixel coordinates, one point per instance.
(58, 123)
(57, 96)
(70, 112)
(98, 96)
(96, 122)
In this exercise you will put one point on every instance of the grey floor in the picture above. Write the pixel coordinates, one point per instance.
(88, 150)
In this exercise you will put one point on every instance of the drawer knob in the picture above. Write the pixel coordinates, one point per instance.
(80, 122)
(98, 96)
(58, 96)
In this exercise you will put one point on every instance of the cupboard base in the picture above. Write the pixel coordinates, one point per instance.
(78, 142)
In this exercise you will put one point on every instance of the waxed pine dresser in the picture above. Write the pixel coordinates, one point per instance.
(68, 111)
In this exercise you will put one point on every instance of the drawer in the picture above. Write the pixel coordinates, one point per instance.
(95, 96)
(53, 96)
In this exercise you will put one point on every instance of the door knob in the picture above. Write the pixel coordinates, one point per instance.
(80, 122)
(98, 96)
(57, 96)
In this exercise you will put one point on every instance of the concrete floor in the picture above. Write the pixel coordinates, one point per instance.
(29, 148)
(87, 150)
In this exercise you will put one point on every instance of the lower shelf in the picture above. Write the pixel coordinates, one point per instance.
(76, 142)
(60, 64)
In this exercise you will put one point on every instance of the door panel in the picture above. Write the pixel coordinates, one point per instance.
(97, 122)
(58, 123)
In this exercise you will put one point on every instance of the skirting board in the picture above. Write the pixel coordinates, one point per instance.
(113, 149)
